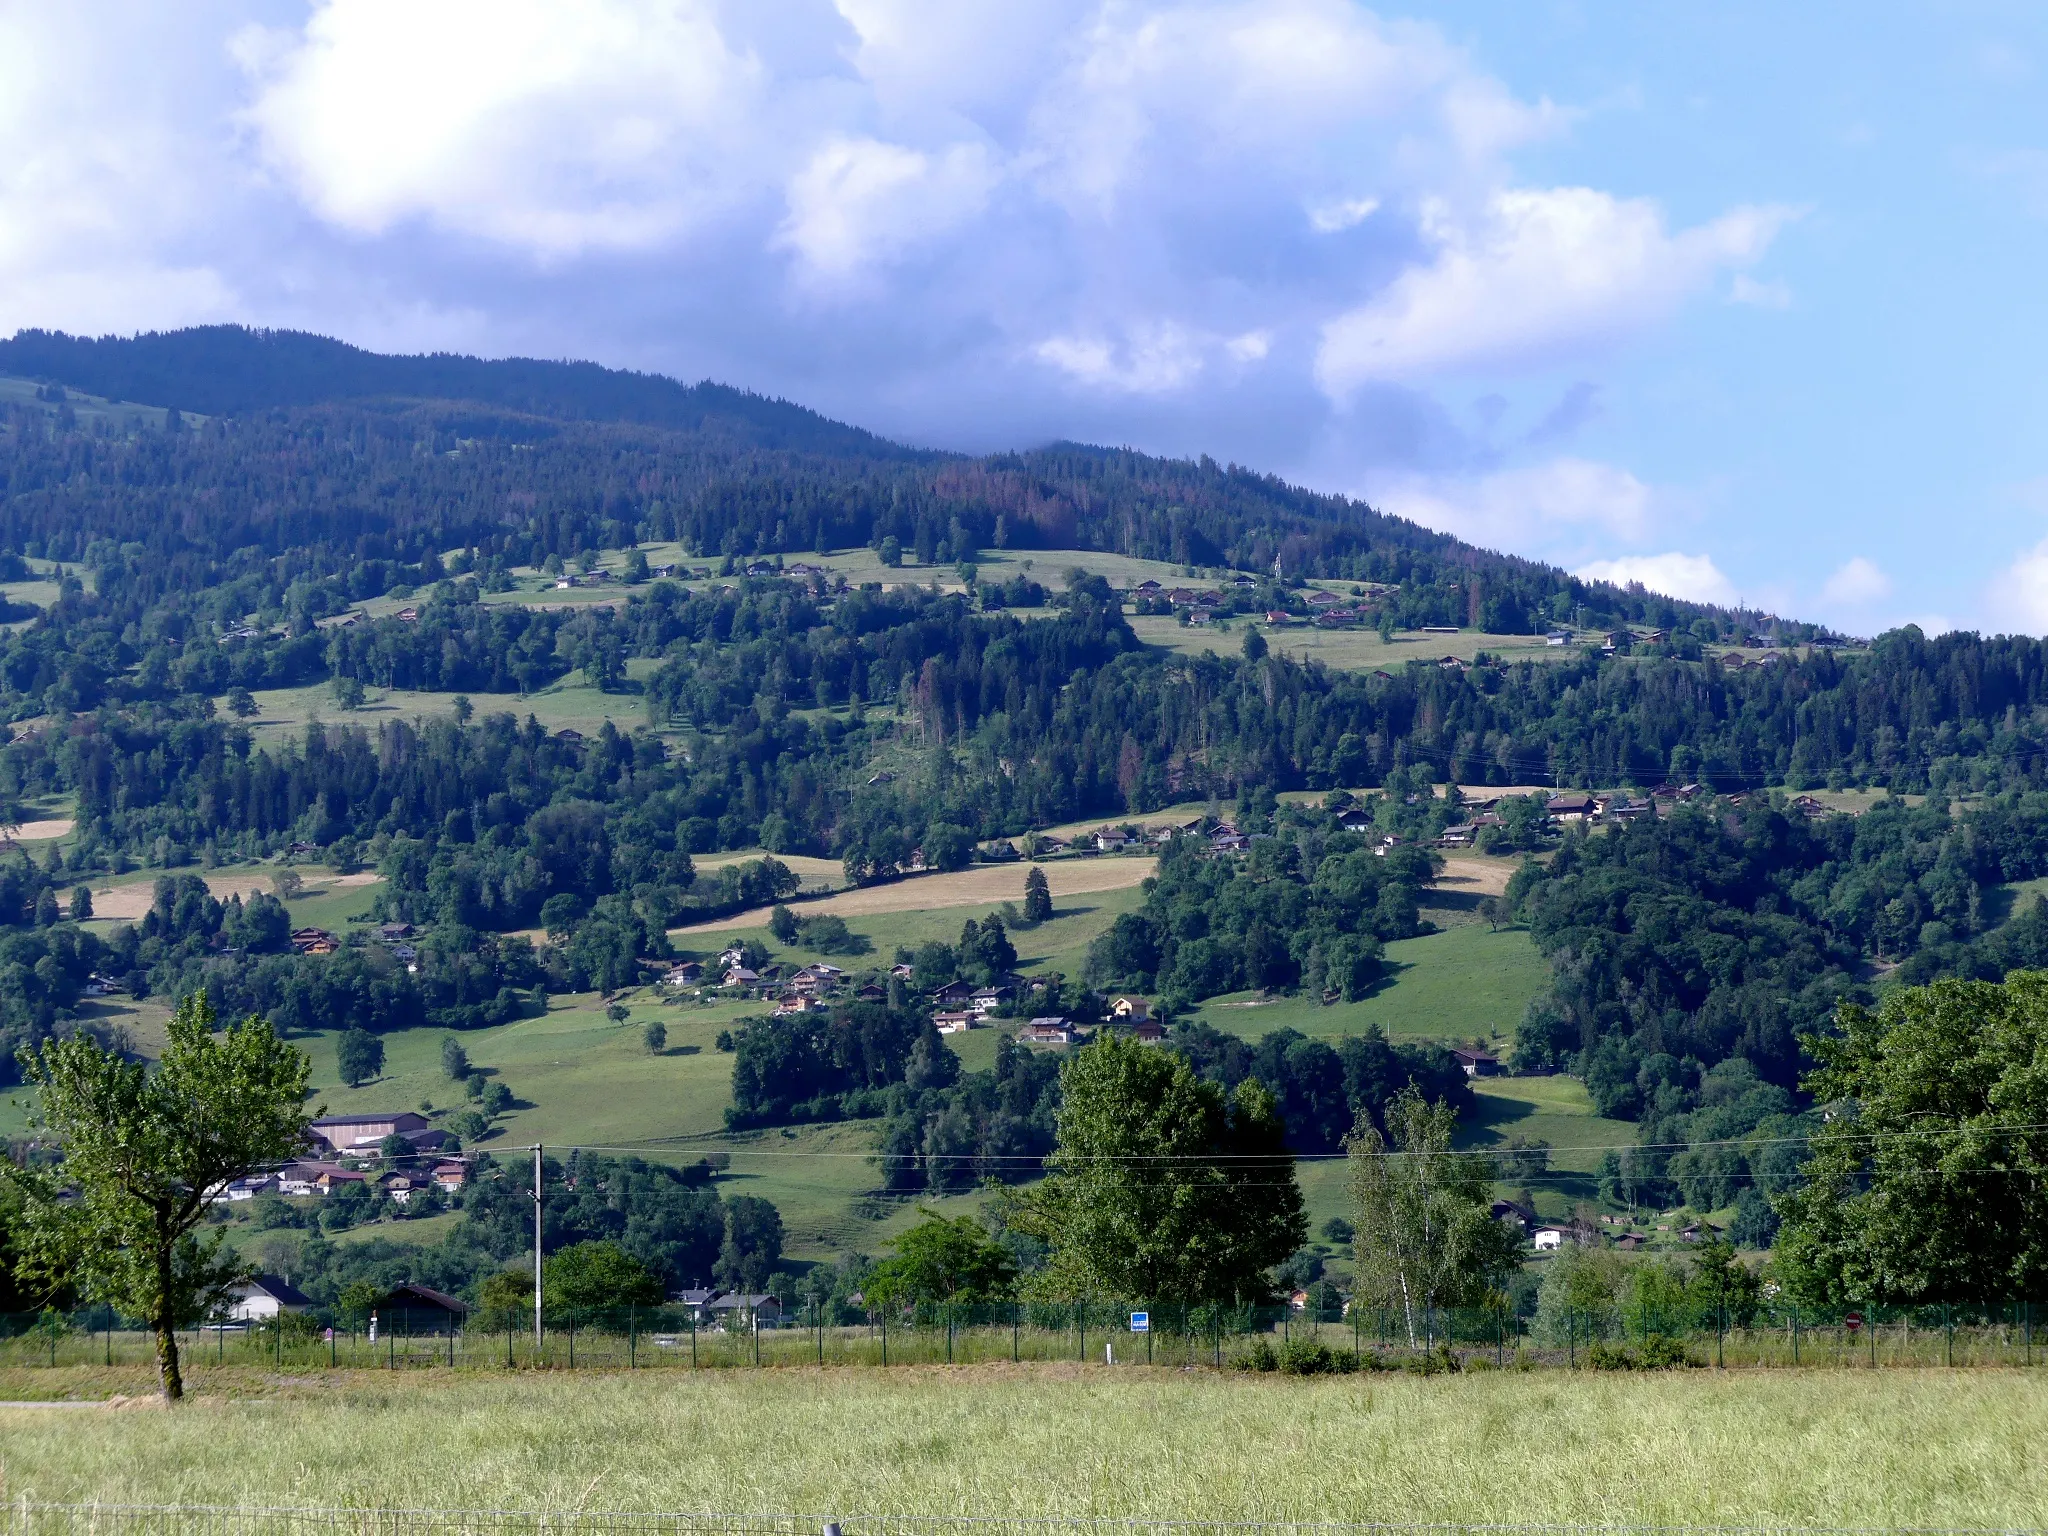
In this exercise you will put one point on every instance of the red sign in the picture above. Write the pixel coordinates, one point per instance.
(1853, 1321)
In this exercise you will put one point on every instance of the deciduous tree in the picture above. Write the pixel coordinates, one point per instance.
(142, 1151)
(1425, 1236)
(1161, 1187)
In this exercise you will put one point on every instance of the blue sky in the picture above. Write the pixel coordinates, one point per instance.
(1740, 300)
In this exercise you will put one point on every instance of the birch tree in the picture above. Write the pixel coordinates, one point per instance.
(1425, 1233)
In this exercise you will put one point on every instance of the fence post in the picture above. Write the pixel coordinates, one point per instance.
(1081, 1331)
(1016, 1307)
(1571, 1341)
(693, 1338)
(1948, 1335)
(949, 1333)
(885, 1334)
(2029, 1306)
(1500, 1339)
(632, 1338)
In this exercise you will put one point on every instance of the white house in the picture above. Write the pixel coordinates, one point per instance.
(1548, 1238)
(263, 1297)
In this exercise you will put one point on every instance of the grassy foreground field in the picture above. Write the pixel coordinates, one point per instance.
(1792, 1448)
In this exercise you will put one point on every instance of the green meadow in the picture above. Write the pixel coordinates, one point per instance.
(1835, 1449)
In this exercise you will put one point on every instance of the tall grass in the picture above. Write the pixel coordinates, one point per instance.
(1807, 1448)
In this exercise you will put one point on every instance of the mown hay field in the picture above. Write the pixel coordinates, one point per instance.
(1805, 1448)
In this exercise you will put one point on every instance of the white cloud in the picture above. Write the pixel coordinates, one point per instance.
(99, 176)
(1341, 214)
(1693, 577)
(1529, 507)
(557, 130)
(859, 200)
(2018, 595)
(1537, 275)
(1856, 584)
(1776, 294)
(1150, 359)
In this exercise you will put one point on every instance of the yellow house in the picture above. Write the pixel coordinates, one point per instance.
(1130, 1010)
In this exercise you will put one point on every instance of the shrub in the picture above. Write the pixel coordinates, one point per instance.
(1305, 1357)
(1662, 1353)
(1611, 1357)
(1259, 1357)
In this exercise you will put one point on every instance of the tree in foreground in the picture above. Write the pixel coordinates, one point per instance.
(1929, 1175)
(943, 1260)
(141, 1151)
(1425, 1234)
(1161, 1188)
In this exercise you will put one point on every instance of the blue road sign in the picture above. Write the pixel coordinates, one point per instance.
(1141, 1322)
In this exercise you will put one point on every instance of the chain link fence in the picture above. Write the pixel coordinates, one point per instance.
(1337, 1337)
(25, 1518)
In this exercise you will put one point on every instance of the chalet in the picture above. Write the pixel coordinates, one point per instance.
(1200, 616)
(1278, 618)
(1208, 599)
(873, 992)
(1558, 637)
(901, 972)
(1149, 1032)
(1181, 597)
(1388, 842)
(400, 1187)
(792, 1006)
(1323, 600)
(689, 973)
(1455, 837)
(314, 941)
(884, 777)
(262, 1297)
(1130, 1010)
(1573, 807)
(1048, 1031)
(741, 976)
(1620, 809)
(450, 1177)
(1147, 589)
(955, 1021)
(1241, 581)
(1809, 807)
(697, 1303)
(1450, 664)
(1110, 840)
(954, 994)
(1516, 1212)
(1355, 821)
(569, 736)
(1699, 1232)
(1003, 851)
(242, 1189)
(740, 1310)
(988, 999)
(390, 931)
(1047, 843)
(408, 615)
(1227, 842)
(1629, 1242)
(414, 1308)
(564, 582)
(1335, 618)
(360, 1134)
(806, 981)
(1477, 1063)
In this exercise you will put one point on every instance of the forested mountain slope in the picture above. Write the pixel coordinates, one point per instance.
(214, 554)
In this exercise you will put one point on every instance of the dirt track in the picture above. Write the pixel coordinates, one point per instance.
(984, 885)
(132, 901)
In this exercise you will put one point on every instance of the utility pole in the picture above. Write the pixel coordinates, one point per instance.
(536, 1253)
